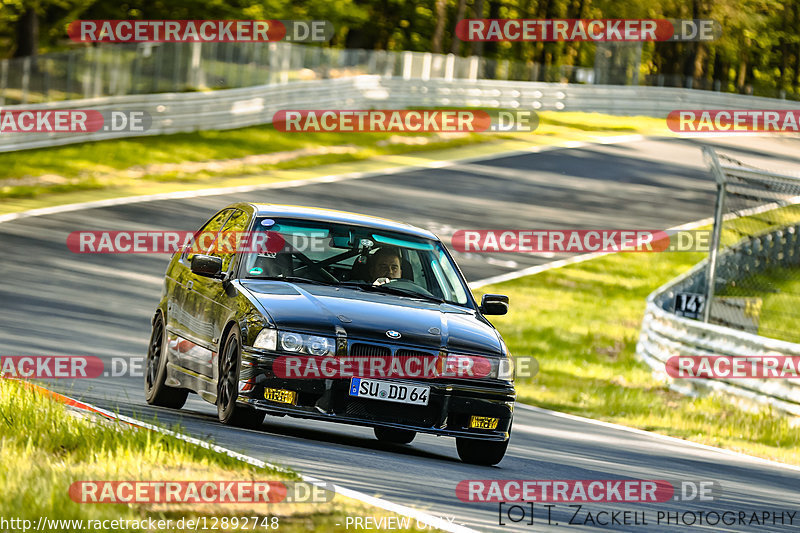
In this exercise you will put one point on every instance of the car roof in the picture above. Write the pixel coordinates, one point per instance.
(343, 217)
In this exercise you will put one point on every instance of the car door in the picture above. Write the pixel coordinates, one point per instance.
(212, 300)
(186, 326)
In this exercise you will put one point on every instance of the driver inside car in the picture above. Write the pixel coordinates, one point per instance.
(385, 265)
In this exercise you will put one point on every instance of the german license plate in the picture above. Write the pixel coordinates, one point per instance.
(280, 395)
(388, 391)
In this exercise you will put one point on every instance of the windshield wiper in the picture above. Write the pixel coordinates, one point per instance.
(393, 290)
(292, 279)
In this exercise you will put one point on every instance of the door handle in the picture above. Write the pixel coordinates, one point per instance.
(190, 284)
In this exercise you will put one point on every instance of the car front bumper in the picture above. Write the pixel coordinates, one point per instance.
(451, 403)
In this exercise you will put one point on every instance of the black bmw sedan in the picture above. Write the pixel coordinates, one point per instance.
(326, 315)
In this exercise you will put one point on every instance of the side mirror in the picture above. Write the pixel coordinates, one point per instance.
(207, 265)
(494, 304)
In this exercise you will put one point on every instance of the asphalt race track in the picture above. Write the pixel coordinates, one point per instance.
(57, 302)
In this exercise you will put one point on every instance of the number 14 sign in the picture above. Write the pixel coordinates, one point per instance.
(689, 304)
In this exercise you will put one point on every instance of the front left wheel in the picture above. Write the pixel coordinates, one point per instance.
(155, 389)
(228, 411)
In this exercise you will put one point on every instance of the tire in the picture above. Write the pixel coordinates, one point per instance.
(156, 392)
(481, 452)
(228, 412)
(395, 436)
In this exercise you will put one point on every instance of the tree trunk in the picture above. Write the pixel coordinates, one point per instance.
(796, 80)
(438, 33)
(462, 8)
(699, 61)
(796, 77)
(27, 30)
(546, 52)
(572, 48)
(719, 73)
(742, 75)
(477, 46)
(491, 46)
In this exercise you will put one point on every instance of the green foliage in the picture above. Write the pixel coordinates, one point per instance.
(759, 50)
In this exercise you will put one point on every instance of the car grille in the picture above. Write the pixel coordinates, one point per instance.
(414, 415)
(362, 349)
(359, 349)
(403, 352)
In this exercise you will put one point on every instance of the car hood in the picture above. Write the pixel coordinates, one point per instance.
(369, 315)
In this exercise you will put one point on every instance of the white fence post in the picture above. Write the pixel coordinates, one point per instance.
(195, 75)
(408, 59)
(449, 67)
(473, 68)
(426, 66)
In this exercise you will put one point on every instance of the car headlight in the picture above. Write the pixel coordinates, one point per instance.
(310, 344)
(319, 345)
(291, 342)
(267, 339)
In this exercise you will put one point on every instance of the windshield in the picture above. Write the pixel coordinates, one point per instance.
(353, 256)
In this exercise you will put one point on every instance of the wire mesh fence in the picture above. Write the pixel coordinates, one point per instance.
(753, 278)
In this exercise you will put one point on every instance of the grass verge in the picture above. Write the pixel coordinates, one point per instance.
(776, 292)
(582, 323)
(44, 448)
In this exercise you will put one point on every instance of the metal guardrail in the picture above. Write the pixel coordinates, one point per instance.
(248, 106)
(665, 334)
(187, 112)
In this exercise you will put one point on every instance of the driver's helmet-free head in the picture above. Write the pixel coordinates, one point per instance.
(386, 262)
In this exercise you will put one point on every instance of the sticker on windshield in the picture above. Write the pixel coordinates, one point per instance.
(267, 222)
(256, 271)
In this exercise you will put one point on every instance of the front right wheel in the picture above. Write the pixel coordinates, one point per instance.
(481, 452)
(156, 391)
(228, 411)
